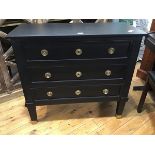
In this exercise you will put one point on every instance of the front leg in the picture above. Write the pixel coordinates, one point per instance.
(120, 108)
(32, 111)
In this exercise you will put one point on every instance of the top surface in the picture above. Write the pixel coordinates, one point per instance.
(67, 29)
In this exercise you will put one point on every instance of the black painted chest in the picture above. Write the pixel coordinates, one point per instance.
(71, 63)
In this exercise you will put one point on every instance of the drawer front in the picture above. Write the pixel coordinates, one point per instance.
(61, 73)
(76, 50)
(75, 91)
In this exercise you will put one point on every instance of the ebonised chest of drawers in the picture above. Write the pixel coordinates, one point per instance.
(71, 63)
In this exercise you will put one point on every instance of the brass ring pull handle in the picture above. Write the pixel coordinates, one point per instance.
(49, 93)
(44, 52)
(105, 91)
(48, 75)
(77, 92)
(108, 72)
(78, 51)
(78, 74)
(111, 50)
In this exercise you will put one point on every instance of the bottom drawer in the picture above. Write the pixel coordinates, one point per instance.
(75, 91)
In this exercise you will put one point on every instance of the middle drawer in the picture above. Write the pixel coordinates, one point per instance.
(75, 72)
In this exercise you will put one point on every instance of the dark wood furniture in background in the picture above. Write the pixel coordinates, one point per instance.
(150, 83)
(148, 59)
(71, 63)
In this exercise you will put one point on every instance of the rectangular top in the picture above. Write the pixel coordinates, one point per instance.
(71, 30)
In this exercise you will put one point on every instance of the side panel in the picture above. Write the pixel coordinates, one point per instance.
(134, 50)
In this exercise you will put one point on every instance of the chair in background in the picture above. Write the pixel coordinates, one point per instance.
(150, 82)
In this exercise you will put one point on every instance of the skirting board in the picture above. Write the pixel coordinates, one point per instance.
(14, 94)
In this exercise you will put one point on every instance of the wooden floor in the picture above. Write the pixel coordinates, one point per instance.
(76, 119)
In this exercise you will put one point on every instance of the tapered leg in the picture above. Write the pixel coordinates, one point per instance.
(120, 108)
(143, 96)
(32, 111)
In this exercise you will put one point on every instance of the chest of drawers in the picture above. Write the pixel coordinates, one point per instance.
(71, 63)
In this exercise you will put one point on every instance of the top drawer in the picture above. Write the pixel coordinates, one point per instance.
(42, 50)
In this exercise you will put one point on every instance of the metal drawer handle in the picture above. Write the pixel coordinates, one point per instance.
(105, 91)
(48, 75)
(77, 92)
(78, 51)
(44, 52)
(49, 93)
(78, 74)
(111, 50)
(108, 72)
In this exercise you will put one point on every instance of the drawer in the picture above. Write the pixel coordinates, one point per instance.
(75, 91)
(76, 50)
(61, 73)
